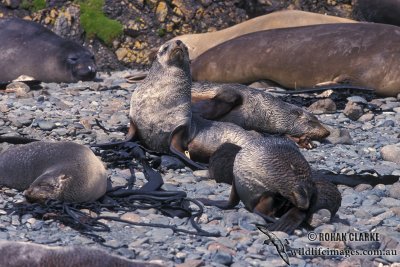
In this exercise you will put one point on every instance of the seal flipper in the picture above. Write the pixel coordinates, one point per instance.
(223, 204)
(177, 147)
(214, 107)
(132, 131)
(289, 221)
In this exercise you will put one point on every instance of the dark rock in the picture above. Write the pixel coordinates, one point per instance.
(171, 163)
(353, 111)
(323, 106)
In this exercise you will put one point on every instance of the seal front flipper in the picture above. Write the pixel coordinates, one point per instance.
(289, 221)
(222, 204)
(178, 148)
(213, 107)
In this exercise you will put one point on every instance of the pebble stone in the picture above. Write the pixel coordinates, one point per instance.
(69, 111)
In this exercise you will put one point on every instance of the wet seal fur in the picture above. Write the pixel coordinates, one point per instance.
(29, 48)
(382, 11)
(21, 254)
(360, 54)
(201, 42)
(253, 109)
(65, 171)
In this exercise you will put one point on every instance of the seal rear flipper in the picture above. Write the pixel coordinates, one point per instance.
(354, 180)
(132, 131)
(213, 107)
(223, 204)
(177, 147)
(290, 221)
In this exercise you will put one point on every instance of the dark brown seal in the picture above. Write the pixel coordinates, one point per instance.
(28, 48)
(359, 54)
(256, 110)
(61, 170)
(382, 11)
(160, 110)
(221, 169)
(24, 254)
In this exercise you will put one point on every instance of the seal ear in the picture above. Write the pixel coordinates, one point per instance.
(215, 107)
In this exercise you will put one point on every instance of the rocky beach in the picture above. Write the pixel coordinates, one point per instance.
(69, 112)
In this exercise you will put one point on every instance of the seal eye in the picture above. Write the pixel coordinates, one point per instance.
(72, 60)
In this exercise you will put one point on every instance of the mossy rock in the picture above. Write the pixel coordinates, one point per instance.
(33, 5)
(95, 23)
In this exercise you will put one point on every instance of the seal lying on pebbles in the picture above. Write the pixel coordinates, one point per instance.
(359, 54)
(30, 49)
(263, 179)
(382, 11)
(201, 42)
(256, 110)
(17, 254)
(65, 171)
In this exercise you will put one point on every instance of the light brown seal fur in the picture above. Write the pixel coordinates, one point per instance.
(64, 171)
(255, 110)
(24, 254)
(359, 54)
(201, 42)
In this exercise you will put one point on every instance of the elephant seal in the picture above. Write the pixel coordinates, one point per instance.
(256, 110)
(382, 11)
(23, 254)
(360, 54)
(201, 42)
(30, 49)
(65, 171)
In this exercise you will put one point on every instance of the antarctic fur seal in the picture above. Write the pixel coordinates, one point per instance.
(24, 254)
(382, 11)
(201, 42)
(65, 171)
(160, 106)
(256, 110)
(29, 48)
(360, 54)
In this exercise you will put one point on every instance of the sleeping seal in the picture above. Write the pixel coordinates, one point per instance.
(201, 42)
(359, 54)
(23, 254)
(255, 110)
(28, 48)
(382, 11)
(65, 171)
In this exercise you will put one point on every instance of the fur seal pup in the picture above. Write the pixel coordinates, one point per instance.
(65, 171)
(201, 42)
(382, 11)
(30, 49)
(256, 110)
(360, 54)
(24, 254)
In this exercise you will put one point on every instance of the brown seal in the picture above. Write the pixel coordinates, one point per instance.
(201, 42)
(160, 109)
(223, 168)
(30, 49)
(54, 170)
(256, 110)
(382, 11)
(360, 54)
(24, 254)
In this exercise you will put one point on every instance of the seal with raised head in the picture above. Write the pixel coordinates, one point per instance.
(65, 171)
(256, 110)
(382, 11)
(359, 54)
(29, 48)
(18, 254)
(201, 42)
(161, 103)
